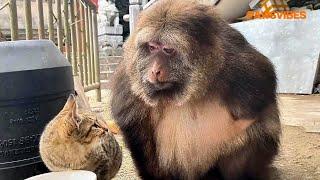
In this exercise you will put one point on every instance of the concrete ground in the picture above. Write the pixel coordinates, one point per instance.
(299, 156)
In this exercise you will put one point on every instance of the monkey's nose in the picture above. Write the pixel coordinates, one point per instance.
(157, 74)
(158, 78)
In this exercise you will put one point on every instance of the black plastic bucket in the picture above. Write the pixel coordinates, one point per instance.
(35, 82)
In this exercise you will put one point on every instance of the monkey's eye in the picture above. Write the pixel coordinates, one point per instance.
(152, 48)
(168, 51)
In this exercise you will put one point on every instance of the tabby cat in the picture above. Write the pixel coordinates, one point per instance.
(77, 140)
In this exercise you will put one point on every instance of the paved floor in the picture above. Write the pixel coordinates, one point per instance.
(298, 110)
(299, 156)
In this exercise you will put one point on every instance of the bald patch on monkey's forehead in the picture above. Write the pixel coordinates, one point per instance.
(184, 18)
(144, 35)
(171, 37)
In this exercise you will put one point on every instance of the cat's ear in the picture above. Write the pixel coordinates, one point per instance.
(71, 108)
(73, 111)
(70, 103)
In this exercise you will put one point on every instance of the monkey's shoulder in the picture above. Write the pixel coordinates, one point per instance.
(247, 84)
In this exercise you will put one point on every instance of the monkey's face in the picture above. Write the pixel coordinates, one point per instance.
(166, 55)
(163, 71)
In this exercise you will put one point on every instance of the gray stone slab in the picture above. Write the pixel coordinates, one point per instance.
(135, 1)
(293, 46)
(134, 11)
(110, 40)
(109, 51)
(110, 30)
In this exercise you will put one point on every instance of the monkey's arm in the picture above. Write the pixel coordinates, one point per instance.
(133, 118)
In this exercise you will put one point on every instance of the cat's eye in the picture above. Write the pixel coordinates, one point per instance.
(95, 125)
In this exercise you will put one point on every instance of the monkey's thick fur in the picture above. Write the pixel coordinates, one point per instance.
(211, 113)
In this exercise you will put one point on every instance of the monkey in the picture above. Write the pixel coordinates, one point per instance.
(193, 99)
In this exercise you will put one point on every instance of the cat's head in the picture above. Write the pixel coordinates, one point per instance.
(81, 123)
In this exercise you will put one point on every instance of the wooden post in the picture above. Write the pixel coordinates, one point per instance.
(87, 10)
(28, 19)
(73, 39)
(59, 26)
(40, 19)
(83, 44)
(96, 54)
(50, 20)
(66, 29)
(91, 46)
(13, 20)
(134, 10)
(79, 39)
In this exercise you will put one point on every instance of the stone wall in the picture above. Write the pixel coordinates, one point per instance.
(110, 40)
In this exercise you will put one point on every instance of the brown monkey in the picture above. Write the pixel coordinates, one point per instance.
(194, 99)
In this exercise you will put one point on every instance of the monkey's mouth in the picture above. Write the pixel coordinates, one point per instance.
(166, 90)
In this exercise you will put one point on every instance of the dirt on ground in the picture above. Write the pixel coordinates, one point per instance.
(299, 156)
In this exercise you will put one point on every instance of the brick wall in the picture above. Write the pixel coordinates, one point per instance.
(108, 66)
